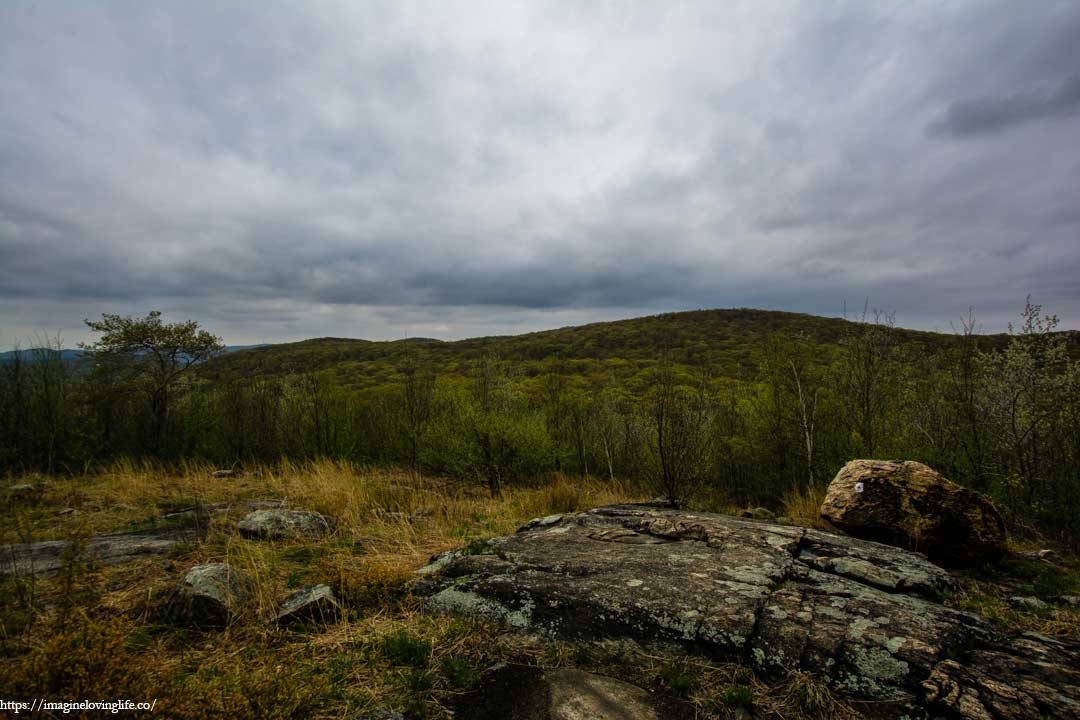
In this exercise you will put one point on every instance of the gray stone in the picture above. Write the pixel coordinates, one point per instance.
(210, 595)
(227, 473)
(862, 615)
(1047, 556)
(381, 714)
(523, 692)
(312, 603)
(1027, 603)
(1072, 601)
(759, 513)
(25, 491)
(280, 524)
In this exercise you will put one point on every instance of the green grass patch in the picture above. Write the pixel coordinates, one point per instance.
(404, 648)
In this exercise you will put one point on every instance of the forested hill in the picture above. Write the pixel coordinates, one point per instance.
(729, 342)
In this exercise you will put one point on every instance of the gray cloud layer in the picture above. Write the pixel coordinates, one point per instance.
(284, 170)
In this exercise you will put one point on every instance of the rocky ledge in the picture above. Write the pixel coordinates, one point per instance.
(866, 617)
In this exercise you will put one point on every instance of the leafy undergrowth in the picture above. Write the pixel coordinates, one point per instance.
(96, 632)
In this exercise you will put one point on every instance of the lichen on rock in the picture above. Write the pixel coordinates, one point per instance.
(863, 615)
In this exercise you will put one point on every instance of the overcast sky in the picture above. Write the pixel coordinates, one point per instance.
(280, 171)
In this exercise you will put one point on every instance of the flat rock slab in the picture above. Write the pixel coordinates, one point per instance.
(283, 524)
(44, 559)
(182, 525)
(863, 615)
(522, 692)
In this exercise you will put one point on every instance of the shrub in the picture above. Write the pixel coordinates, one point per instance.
(88, 660)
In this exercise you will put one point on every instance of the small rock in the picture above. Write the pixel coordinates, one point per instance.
(381, 714)
(1026, 603)
(522, 692)
(278, 524)
(1047, 556)
(739, 713)
(227, 473)
(424, 511)
(759, 513)
(540, 522)
(25, 491)
(310, 603)
(67, 511)
(1072, 601)
(210, 595)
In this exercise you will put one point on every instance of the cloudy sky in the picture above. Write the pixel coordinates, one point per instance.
(283, 170)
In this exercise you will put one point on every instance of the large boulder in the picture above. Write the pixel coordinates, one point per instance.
(278, 523)
(864, 616)
(210, 595)
(910, 505)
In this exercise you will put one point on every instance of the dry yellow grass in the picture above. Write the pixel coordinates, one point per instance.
(382, 651)
(386, 523)
(803, 507)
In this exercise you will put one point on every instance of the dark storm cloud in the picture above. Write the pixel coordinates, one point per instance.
(982, 115)
(283, 170)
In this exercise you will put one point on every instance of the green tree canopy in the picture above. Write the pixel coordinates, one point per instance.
(150, 355)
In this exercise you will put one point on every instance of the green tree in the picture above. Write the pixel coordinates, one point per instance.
(151, 357)
(1025, 406)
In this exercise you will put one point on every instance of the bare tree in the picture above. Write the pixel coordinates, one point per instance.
(680, 433)
(867, 374)
(419, 392)
(806, 399)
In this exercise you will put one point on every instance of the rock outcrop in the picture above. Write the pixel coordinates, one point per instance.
(522, 692)
(209, 595)
(277, 523)
(863, 615)
(910, 505)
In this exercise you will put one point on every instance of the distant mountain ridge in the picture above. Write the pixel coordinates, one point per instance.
(32, 355)
(730, 342)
